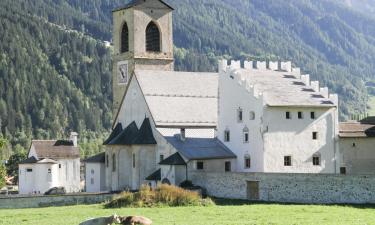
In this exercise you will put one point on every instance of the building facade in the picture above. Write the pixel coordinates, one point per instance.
(95, 173)
(51, 163)
(262, 117)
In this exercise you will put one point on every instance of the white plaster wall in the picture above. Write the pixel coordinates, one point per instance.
(69, 174)
(293, 137)
(359, 159)
(232, 96)
(39, 180)
(95, 171)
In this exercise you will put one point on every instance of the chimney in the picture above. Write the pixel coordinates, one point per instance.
(183, 134)
(74, 138)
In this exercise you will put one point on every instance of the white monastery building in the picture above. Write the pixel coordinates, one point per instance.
(95, 173)
(51, 163)
(262, 117)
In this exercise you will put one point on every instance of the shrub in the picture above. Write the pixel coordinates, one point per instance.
(163, 195)
(2, 175)
(186, 184)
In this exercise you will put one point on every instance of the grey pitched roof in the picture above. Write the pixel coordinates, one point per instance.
(173, 160)
(115, 132)
(280, 88)
(133, 3)
(30, 160)
(155, 176)
(55, 149)
(201, 148)
(131, 135)
(180, 99)
(99, 158)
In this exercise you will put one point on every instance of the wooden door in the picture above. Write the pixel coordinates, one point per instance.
(253, 190)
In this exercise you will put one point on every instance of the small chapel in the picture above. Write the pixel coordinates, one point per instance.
(262, 117)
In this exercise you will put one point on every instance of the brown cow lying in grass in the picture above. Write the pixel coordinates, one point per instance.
(135, 220)
(103, 221)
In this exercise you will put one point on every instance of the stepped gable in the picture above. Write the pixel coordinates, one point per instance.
(284, 86)
(180, 99)
(131, 135)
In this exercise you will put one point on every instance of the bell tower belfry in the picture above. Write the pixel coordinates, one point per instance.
(143, 40)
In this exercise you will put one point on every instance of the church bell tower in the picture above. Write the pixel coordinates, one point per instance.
(143, 40)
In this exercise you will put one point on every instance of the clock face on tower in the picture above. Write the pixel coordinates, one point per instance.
(123, 72)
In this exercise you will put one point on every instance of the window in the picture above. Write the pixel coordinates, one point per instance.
(29, 170)
(247, 162)
(49, 171)
(228, 166)
(200, 166)
(312, 115)
(342, 170)
(92, 171)
(288, 116)
(239, 115)
(315, 135)
(59, 166)
(161, 158)
(316, 160)
(246, 135)
(133, 160)
(300, 115)
(227, 136)
(92, 180)
(354, 145)
(114, 163)
(152, 38)
(287, 160)
(124, 38)
(252, 115)
(107, 160)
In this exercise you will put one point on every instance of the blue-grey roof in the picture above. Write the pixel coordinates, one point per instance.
(201, 148)
(173, 160)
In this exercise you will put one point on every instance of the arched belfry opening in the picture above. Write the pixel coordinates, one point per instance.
(125, 38)
(152, 38)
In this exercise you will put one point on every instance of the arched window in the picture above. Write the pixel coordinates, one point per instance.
(113, 162)
(152, 38)
(124, 38)
(252, 115)
(245, 135)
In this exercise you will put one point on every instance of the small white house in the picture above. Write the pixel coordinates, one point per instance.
(95, 173)
(50, 163)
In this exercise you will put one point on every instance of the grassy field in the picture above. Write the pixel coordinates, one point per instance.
(222, 214)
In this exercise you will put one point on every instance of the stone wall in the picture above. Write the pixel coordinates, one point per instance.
(18, 202)
(295, 188)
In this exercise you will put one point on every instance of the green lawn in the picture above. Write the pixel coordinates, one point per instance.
(237, 214)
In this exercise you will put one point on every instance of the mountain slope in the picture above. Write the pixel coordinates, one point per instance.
(53, 80)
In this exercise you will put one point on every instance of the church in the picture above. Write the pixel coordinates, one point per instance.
(251, 117)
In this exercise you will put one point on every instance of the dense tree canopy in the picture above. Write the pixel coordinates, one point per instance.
(55, 70)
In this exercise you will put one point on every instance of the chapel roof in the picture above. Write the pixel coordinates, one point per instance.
(155, 176)
(173, 160)
(99, 158)
(200, 148)
(177, 99)
(33, 160)
(131, 135)
(55, 149)
(281, 88)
